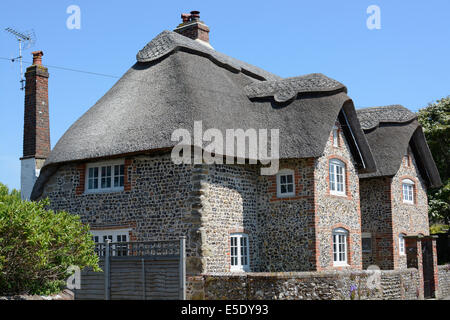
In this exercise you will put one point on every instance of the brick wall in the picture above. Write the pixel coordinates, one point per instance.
(36, 138)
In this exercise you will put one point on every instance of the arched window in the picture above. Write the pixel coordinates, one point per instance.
(239, 252)
(337, 177)
(285, 183)
(408, 191)
(340, 249)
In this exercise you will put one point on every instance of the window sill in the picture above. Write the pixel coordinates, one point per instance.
(240, 270)
(341, 264)
(336, 194)
(101, 191)
(285, 195)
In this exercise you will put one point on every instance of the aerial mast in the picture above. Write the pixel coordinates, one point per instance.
(26, 40)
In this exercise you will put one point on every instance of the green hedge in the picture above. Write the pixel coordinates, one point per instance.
(38, 245)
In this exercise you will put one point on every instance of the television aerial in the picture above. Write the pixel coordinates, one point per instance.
(26, 40)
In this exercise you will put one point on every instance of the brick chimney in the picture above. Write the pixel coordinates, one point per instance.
(193, 28)
(36, 127)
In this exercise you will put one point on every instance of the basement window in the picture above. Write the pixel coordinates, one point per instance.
(408, 191)
(105, 177)
(340, 236)
(239, 252)
(285, 183)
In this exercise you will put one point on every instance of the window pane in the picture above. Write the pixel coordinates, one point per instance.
(106, 177)
(118, 175)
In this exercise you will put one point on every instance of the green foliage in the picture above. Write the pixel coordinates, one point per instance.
(438, 228)
(435, 120)
(38, 245)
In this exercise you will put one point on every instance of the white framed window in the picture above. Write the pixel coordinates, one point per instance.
(408, 191)
(401, 244)
(335, 136)
(340, 236)
(115, 236)
(285, 183)
(337, 177)
(366, 242)
(239, 252)
(105, 176)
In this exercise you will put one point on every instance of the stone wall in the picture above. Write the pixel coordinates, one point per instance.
(408, 219)
(156, 206)
(229, 205)
(385, 216)
(376, 219)
(162, 200)
(444, 280)
(334, 211)
(325, 285)
(286, 225)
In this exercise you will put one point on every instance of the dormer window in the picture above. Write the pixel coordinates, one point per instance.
(105, 176)
(285, 183)
(408, 191)
(337, 177)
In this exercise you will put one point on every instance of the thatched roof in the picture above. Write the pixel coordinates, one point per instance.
(389, 131)
(177, 81)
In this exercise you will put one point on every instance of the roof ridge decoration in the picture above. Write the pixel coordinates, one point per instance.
(167, 42)
(371, 117)
(287, 89)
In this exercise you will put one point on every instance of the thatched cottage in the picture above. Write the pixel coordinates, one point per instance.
(351, 184)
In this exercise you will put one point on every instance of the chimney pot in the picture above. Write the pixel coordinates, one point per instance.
(185, 17)
(195, 15)
(37, 57)
(193, 28)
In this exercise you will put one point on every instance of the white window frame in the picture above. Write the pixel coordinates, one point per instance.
(333, 173)
(113, 235)
(340, 248)
(99, 166)
(286, 173)
(408, 191)
(366, 235)
(335, 136)
(239, 254)
(401, 244)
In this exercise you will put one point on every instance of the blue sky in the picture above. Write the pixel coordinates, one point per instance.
(405, 62)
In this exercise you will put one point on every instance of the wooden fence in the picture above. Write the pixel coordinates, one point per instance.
(137, 271)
